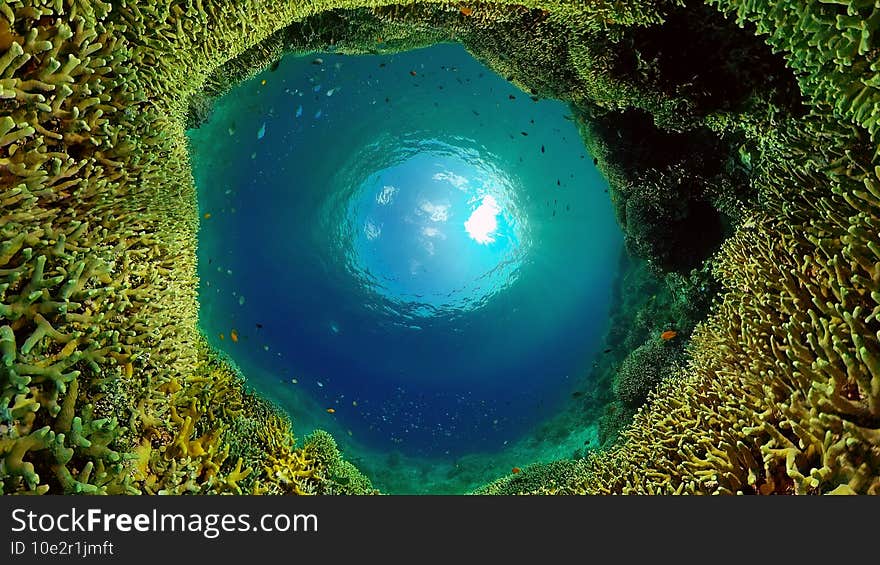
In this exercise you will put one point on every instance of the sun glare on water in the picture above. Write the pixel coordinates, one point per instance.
(483, 222)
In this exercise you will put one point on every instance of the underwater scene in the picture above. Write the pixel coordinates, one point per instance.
(254, 247)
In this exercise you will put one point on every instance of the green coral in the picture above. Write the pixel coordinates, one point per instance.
(643, 369)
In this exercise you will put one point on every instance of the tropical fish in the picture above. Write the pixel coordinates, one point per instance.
(294, 381)
(465, 11)
(262, 131)
(668, 334)
(318, 114)
(413, 73)
(515, 470)
(222, 337)
(234, 336)
(317, 88)
(299, 111)
(354, 403)
(332, 91)
(331, 411)
(320, 384)
(318, 61)
(207, 215)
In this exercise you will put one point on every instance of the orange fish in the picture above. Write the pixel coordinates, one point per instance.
(234, 335)
(466, 11)
(515, 470)
(222, 337)
(207, 215)
(331, 411)
(668, 334)
(413, 73)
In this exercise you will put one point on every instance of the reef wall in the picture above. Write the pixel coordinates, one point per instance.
(106, 385)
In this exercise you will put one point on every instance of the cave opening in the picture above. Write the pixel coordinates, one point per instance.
(408, 251)
(676, 183)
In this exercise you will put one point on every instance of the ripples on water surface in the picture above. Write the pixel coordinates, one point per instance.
(408, 240)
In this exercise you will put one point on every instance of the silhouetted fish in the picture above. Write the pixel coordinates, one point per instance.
(274, 66)
(542, 149)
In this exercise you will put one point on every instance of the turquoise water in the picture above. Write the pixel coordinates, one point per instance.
(411, 252)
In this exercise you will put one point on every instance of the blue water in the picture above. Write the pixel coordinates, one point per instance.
(411, 252)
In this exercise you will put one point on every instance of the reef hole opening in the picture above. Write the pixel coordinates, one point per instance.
(533, 251)
(711, 213)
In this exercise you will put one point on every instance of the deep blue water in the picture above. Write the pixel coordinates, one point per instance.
(407, 240)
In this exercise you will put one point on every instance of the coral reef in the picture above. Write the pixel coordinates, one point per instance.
(643, 369)
(106, 385)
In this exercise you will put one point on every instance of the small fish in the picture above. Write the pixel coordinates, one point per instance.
(263, 82)
(524, 134)
(231, 131)
(207, 215)
(262, 131)
(466, 11)
(317, 88)
(241, 300)
(318, 114)
(607, 350)
(668, 334)
(320, 384)
(274, 66)
(542, 149)
(222, 337)
(294, 381)
(354, 403)
(577, 394)
(318, 61)
(413, 73)
(332, 91)
(259, 326)
(234, 336)
(511, 97)
(515, 470)
(331, 411)
(299, 111)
